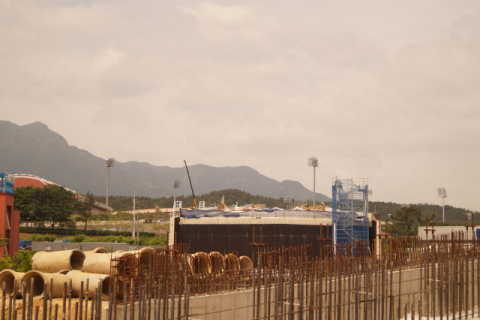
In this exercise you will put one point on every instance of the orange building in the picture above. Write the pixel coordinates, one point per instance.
(9, 217)
(25, 180)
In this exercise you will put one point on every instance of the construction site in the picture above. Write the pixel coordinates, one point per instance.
(314, 265)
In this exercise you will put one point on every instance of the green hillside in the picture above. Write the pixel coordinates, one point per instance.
(453, 215)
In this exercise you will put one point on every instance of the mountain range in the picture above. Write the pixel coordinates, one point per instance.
(37, 150)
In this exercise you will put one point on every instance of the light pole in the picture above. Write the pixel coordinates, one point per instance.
(110, 162)
(313, 162)
(176, 184)
(442, 193)
(288, 202)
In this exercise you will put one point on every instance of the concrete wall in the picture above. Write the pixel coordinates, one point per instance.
(237, 305)
(84, 246)
(445, 230)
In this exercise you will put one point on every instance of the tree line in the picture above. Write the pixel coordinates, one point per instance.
(232, 196)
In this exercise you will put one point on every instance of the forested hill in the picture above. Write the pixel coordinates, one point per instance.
(123, 203)
(453, 215)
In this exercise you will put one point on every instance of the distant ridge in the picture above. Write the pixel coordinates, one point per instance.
(37, 150)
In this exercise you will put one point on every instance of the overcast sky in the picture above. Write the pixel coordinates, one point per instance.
(387, 90)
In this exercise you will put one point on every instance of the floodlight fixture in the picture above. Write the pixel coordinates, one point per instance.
(109, 163)
(313, 162)
(442, 193)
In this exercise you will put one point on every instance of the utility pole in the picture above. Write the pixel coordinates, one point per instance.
(133, 215)
(110, 162)
(442, 193)
(313, 162)
(176, 184)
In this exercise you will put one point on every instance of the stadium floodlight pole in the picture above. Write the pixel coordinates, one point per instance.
(110, 162)
(133, 215)
(313, 162)
(442, 193)
(176, 184)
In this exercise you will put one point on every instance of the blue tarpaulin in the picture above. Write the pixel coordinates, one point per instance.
(24, 243)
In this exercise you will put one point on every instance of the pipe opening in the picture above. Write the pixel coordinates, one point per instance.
(8, 279)
(105, 286)
(38, 283)
(76, 260)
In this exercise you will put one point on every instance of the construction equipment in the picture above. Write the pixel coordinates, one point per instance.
(193, 193)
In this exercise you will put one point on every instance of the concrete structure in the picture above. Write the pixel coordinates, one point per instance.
(84, 246)
(238, 305)
(224, 234)
(446, 230)
(9, 217)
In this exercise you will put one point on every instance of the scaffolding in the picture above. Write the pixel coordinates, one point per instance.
(350, 210)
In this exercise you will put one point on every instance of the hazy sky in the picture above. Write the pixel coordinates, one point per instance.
(387, 90)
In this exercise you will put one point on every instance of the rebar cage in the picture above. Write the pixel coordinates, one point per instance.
(349, 210)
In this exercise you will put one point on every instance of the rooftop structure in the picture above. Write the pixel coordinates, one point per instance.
(7, 182)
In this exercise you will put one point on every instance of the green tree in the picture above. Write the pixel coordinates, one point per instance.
(405, 221)
(22, 262)
(52, 204)
(84, 208)
(23, 203)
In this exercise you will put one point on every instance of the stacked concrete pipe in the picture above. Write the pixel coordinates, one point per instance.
(245, 263)
(231, 262)
(39, 281)
(199, 263)
(8, 277)
(144, 255)
(52, 262)
(218, 262)
(96, 250)
(93, 281)
(100, 262)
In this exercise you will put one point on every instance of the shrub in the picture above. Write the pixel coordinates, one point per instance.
(78, 237)
(37, 237)
(50, 237)
(22, 262)
(5, 263)
(155, 241)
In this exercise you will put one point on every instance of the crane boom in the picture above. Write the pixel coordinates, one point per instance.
(193, 193)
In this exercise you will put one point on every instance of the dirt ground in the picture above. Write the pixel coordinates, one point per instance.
(59, 301)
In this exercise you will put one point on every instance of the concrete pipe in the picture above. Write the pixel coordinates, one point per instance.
(39, 281)
(59, 260)
(96, 250)
(8, 277)
(93, 280)
(100, 262)
(145, 255)
(231, 262)
(218, 262)
(64, 271)
(245, 263)
(199, 263)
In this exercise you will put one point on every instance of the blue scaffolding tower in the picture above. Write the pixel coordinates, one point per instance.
(349, 210)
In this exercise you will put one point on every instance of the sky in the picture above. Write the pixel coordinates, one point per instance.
(384, 90)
